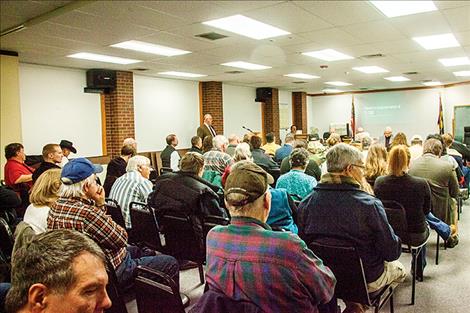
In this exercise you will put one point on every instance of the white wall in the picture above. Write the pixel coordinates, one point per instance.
(54, 107)
(240, 109)
(412, 112)
(164, 106)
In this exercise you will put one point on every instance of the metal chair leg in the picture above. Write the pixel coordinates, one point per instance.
(414, 263)
(201, 274)
(437, 250)
(391, 303)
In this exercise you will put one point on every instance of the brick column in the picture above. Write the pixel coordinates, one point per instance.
(211, 102)
(271, 114)
(299, 111)
(119, 112)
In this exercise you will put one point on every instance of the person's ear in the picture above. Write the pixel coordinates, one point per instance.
(37, 298)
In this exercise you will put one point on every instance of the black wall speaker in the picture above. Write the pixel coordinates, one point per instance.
(101, 79)
(262, 94)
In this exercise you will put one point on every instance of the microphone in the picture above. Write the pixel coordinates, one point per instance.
(248, 129)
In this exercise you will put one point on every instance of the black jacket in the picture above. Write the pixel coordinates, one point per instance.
(116, 168)
(462, 149)
(263, 160)
(195, 149)
(42, 168)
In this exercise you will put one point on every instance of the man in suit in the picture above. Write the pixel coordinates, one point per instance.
(206, 129)
(442, 180)
(386, 139)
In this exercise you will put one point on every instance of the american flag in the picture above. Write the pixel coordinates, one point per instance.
(440, 120)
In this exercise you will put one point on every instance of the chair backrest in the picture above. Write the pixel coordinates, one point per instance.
(114, 210)
(211, 221)
(145, 228)
(396, 216)
(346, 265)
(114, 292)
(6, 239)
(156, 292)
(164, 170)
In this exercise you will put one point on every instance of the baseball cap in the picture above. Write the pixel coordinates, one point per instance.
(67, 144)
(77, 170)
(247, 179)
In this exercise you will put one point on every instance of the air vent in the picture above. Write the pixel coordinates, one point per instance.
(410, 73)
(372, 56)
(211, 36)
(139, 69)
(299, 82)
(234, 72)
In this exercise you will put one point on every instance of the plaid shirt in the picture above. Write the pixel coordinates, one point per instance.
(83, 216)
(275, 270)
(215, 160)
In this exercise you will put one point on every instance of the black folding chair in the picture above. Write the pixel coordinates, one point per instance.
(6, 239)
(114, 210)
(114, 291)
(145, 228)
(351, 284)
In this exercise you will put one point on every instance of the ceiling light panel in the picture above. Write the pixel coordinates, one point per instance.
(246, 26)
(462, 73)
(370, 69)
(328, 55)
(437, 41)
(246, 65)
(338, 83)
(397, 78)
(182, 74)
(455, 61)
(102, 58)
(149, 48)
(435, 83)
(400, 8)
(302, 76)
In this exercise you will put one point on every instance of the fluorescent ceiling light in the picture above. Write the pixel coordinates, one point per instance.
(397, 78)
(246, 65)
(149, 48)
(437, 41)
(102, 58)
(336, 83)
(370, 69)
(462, 73)
(432, 83)
(455, 61)
(246, 26)
(182, 74)
(302, 76)
(331, 90)
(400, 8)
(328, 55)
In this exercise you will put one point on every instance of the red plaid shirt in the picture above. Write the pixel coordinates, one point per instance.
(83, 216)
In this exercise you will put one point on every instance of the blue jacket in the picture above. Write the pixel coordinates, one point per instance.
(353, 217)
(282, 152)
(281, 212)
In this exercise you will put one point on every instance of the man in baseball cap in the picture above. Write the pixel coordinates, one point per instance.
(248, 261)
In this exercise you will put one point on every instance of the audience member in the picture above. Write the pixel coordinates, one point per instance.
(293, 130)
(130, 142)
(247, 137)
(399, 139)
(217, 159)
(312, 169)
(326, 215)
(67, 147)
(280, 256)
(117, 167)
(286, 148)
(196, 145)
(442, 180)
(8, 198)
(271, 146)
(366, 142)
(361, 134)
(81, 207)
(206, 129)
(170, 156)
(376, 163)
(243, 152)
(233, 141)
(387, 138)
(462, 149)
(259, 157)
(43, 194)
(59, 271)
(134, 186)
(52, 157)
(296, 182)
(207, 144)
(333, 139)
(416, 149)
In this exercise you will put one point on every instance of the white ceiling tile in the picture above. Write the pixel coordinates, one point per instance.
(458, 18)
(239, 7)
(331, 38)
(424, 24)
(448, 4)
(375, 31)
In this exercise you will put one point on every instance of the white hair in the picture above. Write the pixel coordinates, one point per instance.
(129, 142)
(218, 141)
(233, 138)
(135, 162)
(340, 156)
(76, 190)
(242, 152)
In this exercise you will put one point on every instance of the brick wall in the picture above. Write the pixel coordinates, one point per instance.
(299, 111)
(271, 114)
(212, 103)
(119, 111)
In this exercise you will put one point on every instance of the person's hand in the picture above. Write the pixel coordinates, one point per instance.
(99, 196)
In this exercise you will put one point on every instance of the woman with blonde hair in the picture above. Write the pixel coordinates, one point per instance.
(45, 191)
(399, 139)
(376, 163)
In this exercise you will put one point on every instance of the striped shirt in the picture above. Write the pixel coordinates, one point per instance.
(216, 160)
(128, 188)
(297, 182)
(275, 270)
(83, 216)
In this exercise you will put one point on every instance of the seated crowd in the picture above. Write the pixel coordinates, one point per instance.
(279, 199)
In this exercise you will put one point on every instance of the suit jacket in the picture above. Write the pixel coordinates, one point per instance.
(442, 180)
(204, 131)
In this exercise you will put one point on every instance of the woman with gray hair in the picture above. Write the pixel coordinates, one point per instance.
(296, 182)
(242, 152)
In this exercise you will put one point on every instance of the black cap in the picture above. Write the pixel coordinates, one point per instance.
(68, 145)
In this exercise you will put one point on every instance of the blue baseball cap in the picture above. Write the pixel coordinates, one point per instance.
(77, 170)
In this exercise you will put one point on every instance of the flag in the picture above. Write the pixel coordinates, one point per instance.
(353, 119)
(440, 120)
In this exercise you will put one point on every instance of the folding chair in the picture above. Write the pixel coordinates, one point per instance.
(351, 284)
(114, 291)
(114, 210)
(145, 230)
